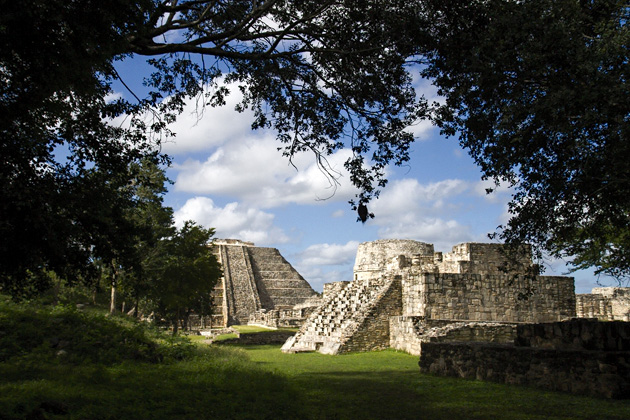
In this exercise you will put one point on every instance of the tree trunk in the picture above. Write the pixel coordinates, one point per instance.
(135, 308)
(112, 302)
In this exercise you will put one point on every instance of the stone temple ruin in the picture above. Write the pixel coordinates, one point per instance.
(404, 293)
(472, 312)
(257, 280)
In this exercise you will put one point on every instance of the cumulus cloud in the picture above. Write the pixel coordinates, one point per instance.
(337, 214)
(253, 171)
(317, 276)
(424, 212)
(233, 221)
(439, 232)
(406, 198)
(202, 127)
(315, 263)
(329, 254)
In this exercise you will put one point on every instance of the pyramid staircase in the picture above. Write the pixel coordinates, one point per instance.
(254, 278)
(279, 285)
(351, 316)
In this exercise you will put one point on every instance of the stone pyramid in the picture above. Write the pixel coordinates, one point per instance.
(254, 278)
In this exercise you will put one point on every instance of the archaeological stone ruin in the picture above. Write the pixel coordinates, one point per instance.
(475, 312)
(404, 293)
(256, 282)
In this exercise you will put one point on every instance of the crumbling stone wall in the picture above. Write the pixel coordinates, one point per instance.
(373, 333)
(605, 303)
(356, 318)
(468, 284)
(285, 318)
(483, 258)
(567, 356)
(373, 257)
(489, 297)
(408, 333)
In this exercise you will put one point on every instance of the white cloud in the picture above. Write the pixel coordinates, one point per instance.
(407, 198)
(337, 214)
(317, 277)
(252, 170)
(202, 127)
(427, 213)
(329, 254)
(443, 234)
(499, 193)
(315, 262)
(233, 221)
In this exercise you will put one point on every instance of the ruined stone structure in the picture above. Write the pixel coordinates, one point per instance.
(255, 279)
(605, 303)
(404, 293)
(581, 356)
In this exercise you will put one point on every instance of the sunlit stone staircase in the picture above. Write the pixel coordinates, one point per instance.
(358, 312)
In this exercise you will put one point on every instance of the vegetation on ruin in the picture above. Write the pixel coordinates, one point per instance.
(60, 362)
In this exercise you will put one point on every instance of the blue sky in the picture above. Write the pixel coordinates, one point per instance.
(233, 179)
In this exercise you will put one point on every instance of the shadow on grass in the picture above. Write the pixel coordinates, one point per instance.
(216, 385)
(408, 395)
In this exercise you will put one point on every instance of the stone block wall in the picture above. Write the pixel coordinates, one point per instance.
(408, 333)
(331, 289)
(404, 335)
(372, 257)
(556, 363)
(579, 334)
(483, 258)
(373, 332)
(476, 297)
(605, 303)
(356, 318)
(254, 278)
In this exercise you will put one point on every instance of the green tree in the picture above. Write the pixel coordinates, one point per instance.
(323, 74)
(538, 93)
(64, 168)
(535, 89)
(153, 223)
(184, 275)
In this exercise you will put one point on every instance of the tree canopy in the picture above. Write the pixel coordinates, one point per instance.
(538, 93)
(184, 275)
(536, 90)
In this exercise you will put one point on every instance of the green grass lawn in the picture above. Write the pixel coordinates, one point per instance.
(117, 369)
(388, 385)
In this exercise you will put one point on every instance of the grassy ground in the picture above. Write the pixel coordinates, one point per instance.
(387, 385)
(61, 363)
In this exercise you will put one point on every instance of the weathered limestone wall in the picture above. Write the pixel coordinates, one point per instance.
(285, 318)
(331, 289)
(483, 258)
(478, 297)
(373, 332)
(605, 303)
(577, 334)
(408, 333)
(373, 257)
(280, 286)
(574, 368)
